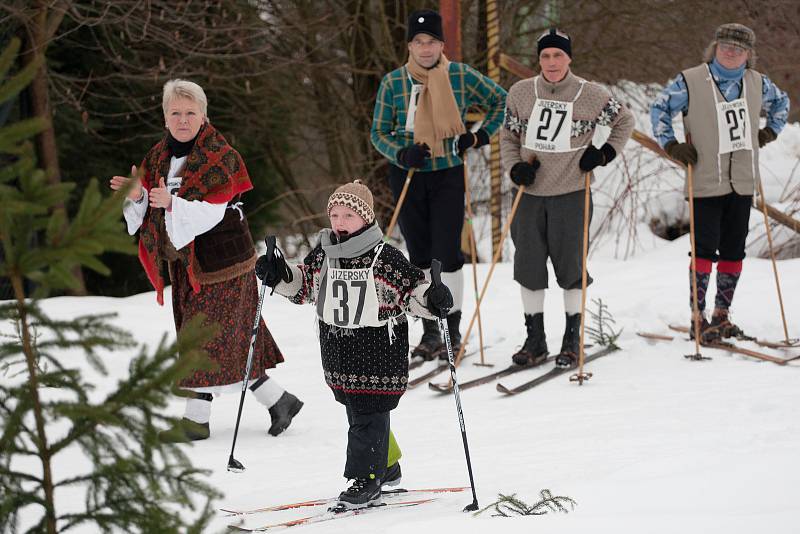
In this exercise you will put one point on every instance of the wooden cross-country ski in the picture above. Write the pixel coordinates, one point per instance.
(730, 347)
(447, 387)
(557, 371)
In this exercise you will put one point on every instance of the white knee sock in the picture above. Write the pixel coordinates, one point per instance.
(532, 301)
(198, 410)
(572, 301)
(268, 392)
(455, 283)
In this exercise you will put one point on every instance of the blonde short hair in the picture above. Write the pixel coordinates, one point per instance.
(184, 89)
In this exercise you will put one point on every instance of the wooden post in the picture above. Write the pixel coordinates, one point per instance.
(495, 176)
(450, 10)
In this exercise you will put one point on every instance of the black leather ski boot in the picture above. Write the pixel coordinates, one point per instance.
(431, 342)
(570, 345)
(534, 350)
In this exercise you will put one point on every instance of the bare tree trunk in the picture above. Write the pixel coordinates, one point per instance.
(39, 33)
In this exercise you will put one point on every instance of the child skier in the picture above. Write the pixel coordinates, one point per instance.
(362, 288)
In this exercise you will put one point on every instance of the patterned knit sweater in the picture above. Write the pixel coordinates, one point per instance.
(366, 367)
(559, 173)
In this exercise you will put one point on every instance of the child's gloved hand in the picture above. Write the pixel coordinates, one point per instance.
(439, 299)
(271, 269)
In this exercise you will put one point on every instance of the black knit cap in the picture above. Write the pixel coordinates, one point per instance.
(554, 38)
(425, 21)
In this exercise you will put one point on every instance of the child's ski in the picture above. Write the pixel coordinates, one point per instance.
(328, 516)
(319, 502)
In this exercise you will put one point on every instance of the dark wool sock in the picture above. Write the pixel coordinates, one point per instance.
(703, 277)
(726, 286)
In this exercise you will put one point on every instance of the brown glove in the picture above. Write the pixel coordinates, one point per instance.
(766, 135)
(683, 152)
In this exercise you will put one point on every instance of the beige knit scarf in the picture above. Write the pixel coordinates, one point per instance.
(437, 117)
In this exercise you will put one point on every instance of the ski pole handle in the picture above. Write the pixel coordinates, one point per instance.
(436, 278)
(436, 271)
(270, 241)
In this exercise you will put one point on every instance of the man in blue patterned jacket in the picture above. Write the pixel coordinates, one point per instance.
(418, 123)
(721, 100)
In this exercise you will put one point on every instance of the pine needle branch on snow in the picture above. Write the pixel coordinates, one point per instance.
(511, 505)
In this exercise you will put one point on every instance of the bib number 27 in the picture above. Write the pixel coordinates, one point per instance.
(546, 123)
(736, 123)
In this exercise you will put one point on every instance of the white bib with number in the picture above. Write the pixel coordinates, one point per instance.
(351, 300)
(550, 124)
(416, 88)
(733, 120)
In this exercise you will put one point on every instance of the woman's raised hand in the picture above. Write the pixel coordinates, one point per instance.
(119, 182)
(159, 196)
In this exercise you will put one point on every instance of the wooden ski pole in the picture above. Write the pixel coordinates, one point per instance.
(774, 264)
(474, 254)
(695, 305)
(399, 205)
(497, 255)
(580, 376)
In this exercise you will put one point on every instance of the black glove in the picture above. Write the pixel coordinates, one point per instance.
(683, 152)
(414, 155)
(439, 299)
(596, 157)
(471, 140)
(271, 270)
(524, 173)
(766, 135)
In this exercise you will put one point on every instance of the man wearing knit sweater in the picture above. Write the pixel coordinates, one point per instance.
(722, 119)
(546, 146)
(418, 123)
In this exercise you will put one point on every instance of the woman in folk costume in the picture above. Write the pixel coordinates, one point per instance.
(362, 289)
(185, 205)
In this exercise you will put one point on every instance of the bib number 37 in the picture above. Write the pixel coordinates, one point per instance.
(347, 295)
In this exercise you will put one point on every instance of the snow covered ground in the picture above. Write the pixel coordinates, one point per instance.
(652, 443)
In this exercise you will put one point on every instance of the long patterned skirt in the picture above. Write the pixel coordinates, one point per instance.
(232, 305)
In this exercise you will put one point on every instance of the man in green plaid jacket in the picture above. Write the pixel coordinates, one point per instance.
(418, 123)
